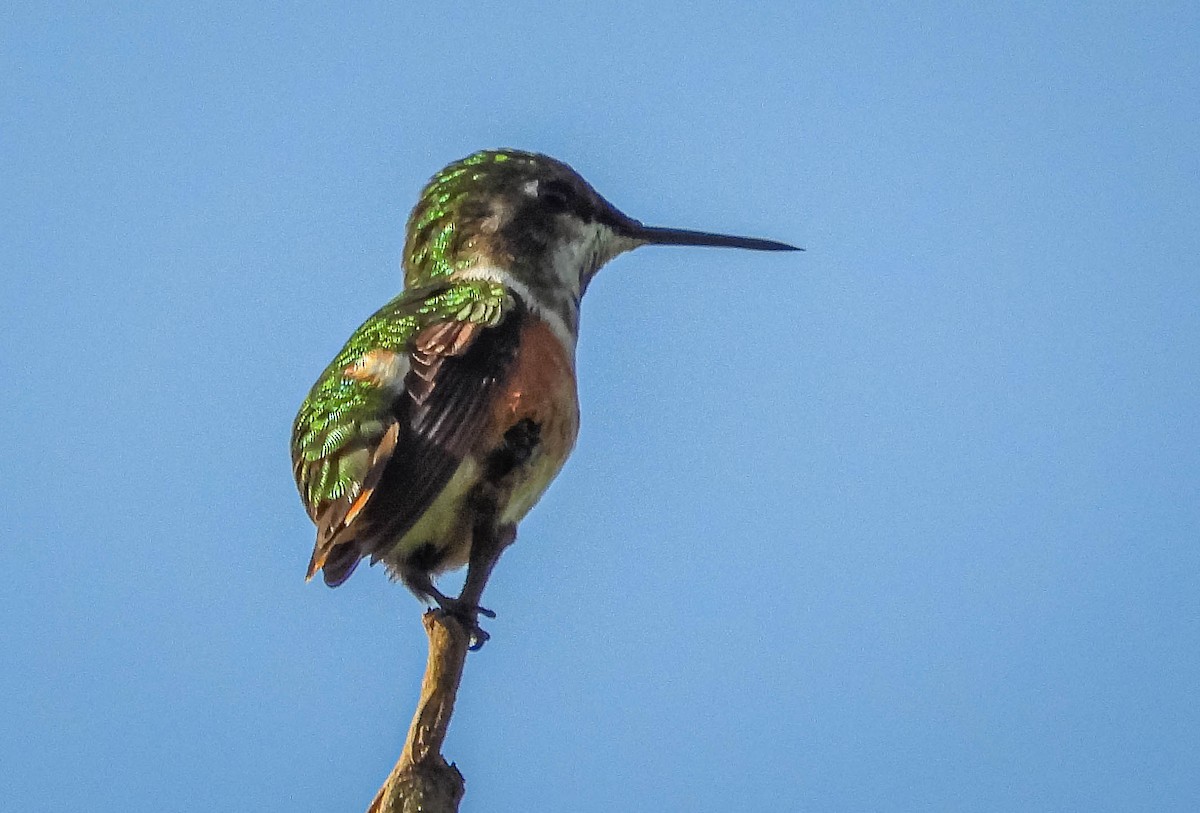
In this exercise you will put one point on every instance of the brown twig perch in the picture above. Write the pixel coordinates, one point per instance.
(422, 781)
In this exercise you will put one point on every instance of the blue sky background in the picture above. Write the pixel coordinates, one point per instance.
(907, 522)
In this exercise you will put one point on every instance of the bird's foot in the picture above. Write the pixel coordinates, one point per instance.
(466, 614)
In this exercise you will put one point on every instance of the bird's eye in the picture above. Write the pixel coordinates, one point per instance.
(555, 195)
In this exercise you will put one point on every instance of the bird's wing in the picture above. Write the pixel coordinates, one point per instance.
(394, 415)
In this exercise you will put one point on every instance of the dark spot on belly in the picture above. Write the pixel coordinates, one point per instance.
(425, 558)
(519, 444)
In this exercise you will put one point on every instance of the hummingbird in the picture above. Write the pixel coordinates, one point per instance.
(449, 411)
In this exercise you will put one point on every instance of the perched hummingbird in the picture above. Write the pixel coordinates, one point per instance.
(449, 411)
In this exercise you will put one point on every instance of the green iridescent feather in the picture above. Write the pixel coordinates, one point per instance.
(344, 418)
(444, 225)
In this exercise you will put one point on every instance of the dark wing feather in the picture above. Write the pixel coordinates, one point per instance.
(337, 561)
(457, 368)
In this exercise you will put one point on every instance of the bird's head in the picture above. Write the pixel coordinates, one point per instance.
(535, 218)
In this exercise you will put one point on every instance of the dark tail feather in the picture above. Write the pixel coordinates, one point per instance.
(341, 563)
(336, 561)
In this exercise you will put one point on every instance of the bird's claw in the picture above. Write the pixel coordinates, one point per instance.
(467, 615)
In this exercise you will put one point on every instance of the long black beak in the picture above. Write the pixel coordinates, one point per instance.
(656, 236)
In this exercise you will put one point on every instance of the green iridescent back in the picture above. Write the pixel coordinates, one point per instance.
(343, 417)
